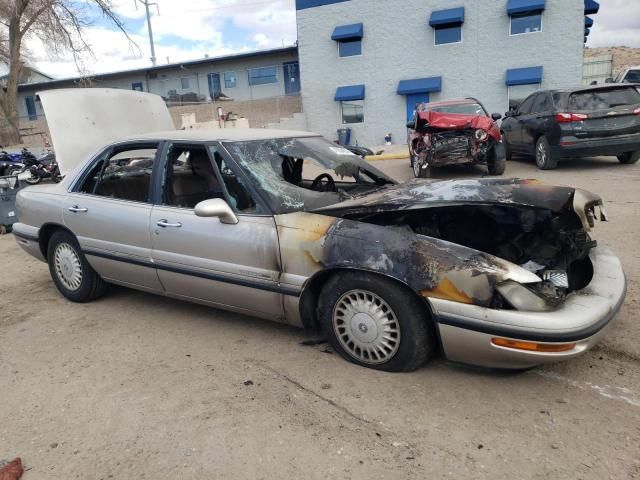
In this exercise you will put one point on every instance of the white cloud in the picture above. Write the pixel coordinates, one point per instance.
(182, 31)
(616, 24)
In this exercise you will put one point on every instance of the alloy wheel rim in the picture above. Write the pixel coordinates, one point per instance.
(542, 154)
(366, 327)
(416, 167)
(68, 266)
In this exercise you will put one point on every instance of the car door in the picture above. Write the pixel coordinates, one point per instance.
(233, 266)
(523, 117)
(537, 121)
(108, 210)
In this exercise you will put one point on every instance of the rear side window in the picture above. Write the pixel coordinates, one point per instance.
(604, 99)
(525, 107)
(124, 175)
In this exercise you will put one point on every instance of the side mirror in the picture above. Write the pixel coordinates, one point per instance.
(609, 80)
(411, 125)
(496, 116)
(216, 207)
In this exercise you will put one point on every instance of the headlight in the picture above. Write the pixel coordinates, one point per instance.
(521, 298)
(481, 135)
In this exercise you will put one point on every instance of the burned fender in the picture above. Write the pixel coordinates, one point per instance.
(431, 267)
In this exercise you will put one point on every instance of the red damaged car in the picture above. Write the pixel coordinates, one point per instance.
(455, 132)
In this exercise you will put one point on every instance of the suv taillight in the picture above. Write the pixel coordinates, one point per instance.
(570, 117)
(636, 111)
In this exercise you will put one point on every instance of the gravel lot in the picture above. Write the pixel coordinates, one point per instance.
(138, 386)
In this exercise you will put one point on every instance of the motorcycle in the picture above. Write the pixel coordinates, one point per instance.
(8, 162)
(32, 170)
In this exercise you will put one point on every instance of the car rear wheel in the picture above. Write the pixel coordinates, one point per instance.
(374, 322)
(629, 158)
(70, 271)
(544, 159)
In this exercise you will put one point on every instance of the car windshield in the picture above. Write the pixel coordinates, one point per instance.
(302, 174)
(632, 76)
(604, 99)
(464, 108)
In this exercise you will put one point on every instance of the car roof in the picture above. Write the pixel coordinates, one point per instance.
(590, 88)
(454, 101)
(220, 135)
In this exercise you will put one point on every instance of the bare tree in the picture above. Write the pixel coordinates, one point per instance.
(59, 24)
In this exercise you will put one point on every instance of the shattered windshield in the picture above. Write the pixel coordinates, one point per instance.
(302, 174)
(464, 108)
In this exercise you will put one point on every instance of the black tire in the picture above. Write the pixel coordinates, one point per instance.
(497, 162)
(544, 158)
(13, 171)
(629, 158)
(33, 179)
(90, 286)
(417, 337)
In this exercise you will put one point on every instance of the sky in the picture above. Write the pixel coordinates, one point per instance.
(190, 29)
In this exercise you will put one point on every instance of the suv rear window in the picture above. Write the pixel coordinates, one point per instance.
(604, 99)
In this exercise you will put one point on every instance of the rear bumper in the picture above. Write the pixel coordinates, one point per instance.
(466, 331)
(27, 238)
(575, 147)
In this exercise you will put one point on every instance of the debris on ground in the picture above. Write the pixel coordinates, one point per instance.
(11, 470)
(248, 382)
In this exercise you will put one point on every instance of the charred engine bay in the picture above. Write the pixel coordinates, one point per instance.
(536, 238)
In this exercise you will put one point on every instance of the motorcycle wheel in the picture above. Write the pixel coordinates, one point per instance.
(33, 180)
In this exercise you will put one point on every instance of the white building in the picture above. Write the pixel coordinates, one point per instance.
(366, 63)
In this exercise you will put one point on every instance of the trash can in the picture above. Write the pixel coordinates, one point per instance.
(344, 136)
(9, 187)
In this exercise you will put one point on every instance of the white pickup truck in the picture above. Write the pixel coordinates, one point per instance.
(629, 75)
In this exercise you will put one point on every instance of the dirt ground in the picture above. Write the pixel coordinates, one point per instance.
(138, 386)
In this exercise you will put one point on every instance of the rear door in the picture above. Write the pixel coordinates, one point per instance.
(609, 112)
(234, 266)
(108, 210)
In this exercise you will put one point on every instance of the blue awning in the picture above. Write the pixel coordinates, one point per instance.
(515, 7)
(352, 92)
(591, 7)
(524, 76)
(348, 32)
(445, 18)
(587, 31)
(420, 85)
(588, 22)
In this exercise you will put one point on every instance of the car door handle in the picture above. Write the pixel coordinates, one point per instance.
(164, 224)
(77, 209)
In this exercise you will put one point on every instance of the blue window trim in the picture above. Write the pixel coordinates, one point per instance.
(523, 76)
(588, 22)
(591, 7)
(303, 4)
(269, 78)
(447, 18)
(348, 32)
(419, 85)
(227, 83)
(515, 7)
(349, 92)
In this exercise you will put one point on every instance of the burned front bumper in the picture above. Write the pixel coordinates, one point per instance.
(469, 332)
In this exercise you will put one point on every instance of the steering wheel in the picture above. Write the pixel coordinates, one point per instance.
(320, 186)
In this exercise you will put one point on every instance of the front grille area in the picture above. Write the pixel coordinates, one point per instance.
(450, 147)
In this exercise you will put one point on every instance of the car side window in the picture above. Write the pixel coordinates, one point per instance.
(541, 103)
(195, 173)
(124, 174)
(525, 106)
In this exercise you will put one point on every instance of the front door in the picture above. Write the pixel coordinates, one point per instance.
(31, 108)
(234, 266)
(291, 78)
(215, 88)
(414, 99)
(108, 211)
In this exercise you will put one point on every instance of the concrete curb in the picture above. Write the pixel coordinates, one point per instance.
(387, 156)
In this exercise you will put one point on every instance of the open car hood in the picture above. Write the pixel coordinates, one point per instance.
(83, 120)
(418, 194)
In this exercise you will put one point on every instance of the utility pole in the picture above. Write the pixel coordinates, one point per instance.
(147, 4)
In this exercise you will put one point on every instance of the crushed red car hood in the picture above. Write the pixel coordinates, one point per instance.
(459, 121)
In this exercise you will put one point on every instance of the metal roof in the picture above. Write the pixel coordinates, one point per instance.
(221, 135)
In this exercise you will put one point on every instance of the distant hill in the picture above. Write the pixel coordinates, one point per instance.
(622, 56)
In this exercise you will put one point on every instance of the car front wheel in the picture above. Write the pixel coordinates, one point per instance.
(497, 163)
(70, 271)
(629, 158)
(544, 158)
(374, 322)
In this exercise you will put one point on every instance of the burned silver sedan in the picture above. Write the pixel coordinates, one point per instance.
(290, 227)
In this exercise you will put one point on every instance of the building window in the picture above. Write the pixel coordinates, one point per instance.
(350, 48)
(230, 79)
(453, 34)
(526, 23)
(517, 93)
(184, 83)
(352, 111)
(262, 76)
